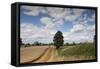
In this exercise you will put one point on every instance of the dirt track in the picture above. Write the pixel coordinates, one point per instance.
(39, 54)
(49, 56)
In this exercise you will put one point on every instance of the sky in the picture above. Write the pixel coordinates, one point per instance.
(41, 23)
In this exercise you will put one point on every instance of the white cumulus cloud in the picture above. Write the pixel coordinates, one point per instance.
(54, 19)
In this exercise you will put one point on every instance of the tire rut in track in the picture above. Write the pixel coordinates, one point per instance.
(34, 60)
(45, 57)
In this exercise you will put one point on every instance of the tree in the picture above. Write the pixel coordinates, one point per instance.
(66, 44)
(74, 43)
(36, 43)
(58, 39)
(50, 44)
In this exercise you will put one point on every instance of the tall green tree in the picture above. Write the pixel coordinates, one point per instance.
(58, 39)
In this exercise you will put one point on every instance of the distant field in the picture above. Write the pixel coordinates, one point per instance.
(78, 52)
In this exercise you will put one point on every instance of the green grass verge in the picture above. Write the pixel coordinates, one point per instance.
(78, 50)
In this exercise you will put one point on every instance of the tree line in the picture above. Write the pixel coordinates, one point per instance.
(58, 41)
